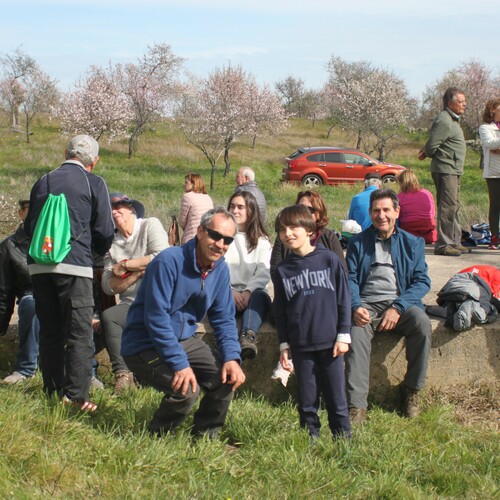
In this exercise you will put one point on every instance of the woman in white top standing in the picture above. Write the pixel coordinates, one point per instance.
(194, 204)
(248, 259)
(489, 133)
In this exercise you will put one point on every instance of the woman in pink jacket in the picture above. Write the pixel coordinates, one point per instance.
(194, 204)
(417, 213)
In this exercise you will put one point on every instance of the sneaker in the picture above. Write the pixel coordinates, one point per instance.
(357, 415)
(14, 378)
(410, 402)
(448, 251)
(124, 381)
(248, 346)
(95, 383)
(495, 243)
(85, 406)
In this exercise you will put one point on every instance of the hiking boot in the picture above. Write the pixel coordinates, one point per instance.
(15, 378)
(410, 402)
(124, 381)
(464, 250)
(248, 346)
(448, 251)
(357, 415)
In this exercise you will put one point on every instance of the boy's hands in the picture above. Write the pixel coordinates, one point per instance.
(285, 360)
(340, 348)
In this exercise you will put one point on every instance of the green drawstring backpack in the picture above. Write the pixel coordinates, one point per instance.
(51, 239)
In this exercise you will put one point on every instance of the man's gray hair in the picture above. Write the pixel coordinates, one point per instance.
(248, 173)
(84, 148)
(372, 182)
(207, 217)
(450, 95)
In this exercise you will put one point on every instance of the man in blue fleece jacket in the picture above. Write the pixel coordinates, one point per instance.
(388, 280)
(159, 342)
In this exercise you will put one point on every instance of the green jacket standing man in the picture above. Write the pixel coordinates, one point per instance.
(446, 147)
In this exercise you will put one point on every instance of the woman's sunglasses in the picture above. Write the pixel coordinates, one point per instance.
(313, 210)
(214, 235)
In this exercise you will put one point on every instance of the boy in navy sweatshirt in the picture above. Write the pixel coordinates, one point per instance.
(313, 317)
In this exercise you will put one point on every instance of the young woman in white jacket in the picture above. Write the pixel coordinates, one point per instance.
(248, 259)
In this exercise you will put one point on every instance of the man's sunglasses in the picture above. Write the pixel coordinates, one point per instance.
(313, 210)
(214, 235)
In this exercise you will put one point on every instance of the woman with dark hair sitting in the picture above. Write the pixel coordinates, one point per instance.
(248, 261)
(316, 205)
(417, 213)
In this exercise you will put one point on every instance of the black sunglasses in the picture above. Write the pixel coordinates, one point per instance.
(214, 235)
(313, 210)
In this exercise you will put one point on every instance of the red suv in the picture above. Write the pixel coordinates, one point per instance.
(332, 165)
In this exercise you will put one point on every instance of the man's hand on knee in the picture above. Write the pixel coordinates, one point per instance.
(183, 379)
(232, 374)
(389, 319)
(361, 316)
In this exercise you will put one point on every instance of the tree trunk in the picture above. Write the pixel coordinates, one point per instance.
(360, 138)
(226, 161)
(381, 151)
(212, 176)
(132, 142)
(329, 131)
(253, 141)
(15, 116)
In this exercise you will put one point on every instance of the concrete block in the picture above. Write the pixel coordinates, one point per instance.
(455, 358)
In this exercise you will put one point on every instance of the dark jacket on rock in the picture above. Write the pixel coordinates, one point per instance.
(15, 280)
(468, 301)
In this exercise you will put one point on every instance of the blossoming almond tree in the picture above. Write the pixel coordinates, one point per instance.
(25, 88)
(40, 93)
(150, 86)
(472, 77)
(228, 105)
(368, 101)
(97, 106)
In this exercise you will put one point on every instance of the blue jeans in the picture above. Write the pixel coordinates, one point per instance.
(256, 311)
(29, 337)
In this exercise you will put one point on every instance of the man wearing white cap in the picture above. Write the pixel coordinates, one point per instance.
(63, 291)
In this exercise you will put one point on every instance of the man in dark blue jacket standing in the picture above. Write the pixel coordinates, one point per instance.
(388, 279)
(63, 291)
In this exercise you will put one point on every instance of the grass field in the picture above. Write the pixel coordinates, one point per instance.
(50, 452)
(47, 451)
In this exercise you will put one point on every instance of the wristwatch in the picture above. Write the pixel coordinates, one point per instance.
(398, 308)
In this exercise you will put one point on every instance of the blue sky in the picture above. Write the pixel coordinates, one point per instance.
(419, 40)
